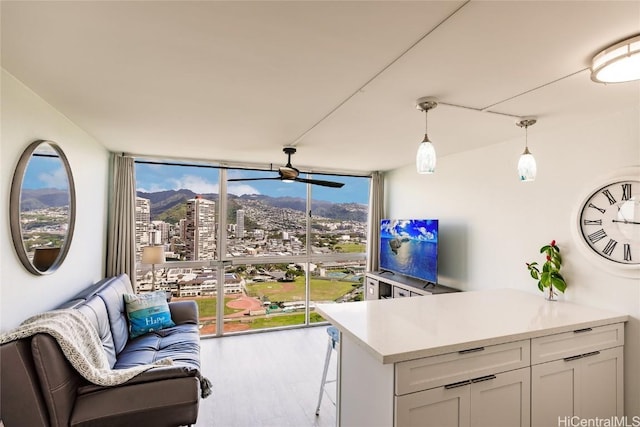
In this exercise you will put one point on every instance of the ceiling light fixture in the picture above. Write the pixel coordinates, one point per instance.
(618, 63)
(426, 156)
(527, 164)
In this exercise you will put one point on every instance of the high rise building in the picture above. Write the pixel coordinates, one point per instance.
(162, 232)
(240, 223)
(143, 222)
(200, 233)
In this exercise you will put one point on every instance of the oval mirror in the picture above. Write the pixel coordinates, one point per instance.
(42, 207)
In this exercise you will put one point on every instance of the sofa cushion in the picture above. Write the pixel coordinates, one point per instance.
(167, 403)
(113, 297)
(96, 311)
(180, 343)
(147, 312)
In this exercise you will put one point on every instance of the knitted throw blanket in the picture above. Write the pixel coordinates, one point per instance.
(80, 344)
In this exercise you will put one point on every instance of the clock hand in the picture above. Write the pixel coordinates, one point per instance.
(625, 221)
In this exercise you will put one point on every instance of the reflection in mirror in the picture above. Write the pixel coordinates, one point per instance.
(42, 207)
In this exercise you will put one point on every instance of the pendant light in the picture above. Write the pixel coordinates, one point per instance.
(527, 163)
(618, 63)
(426, 156)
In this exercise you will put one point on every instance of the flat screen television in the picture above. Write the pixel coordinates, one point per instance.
(410, 247)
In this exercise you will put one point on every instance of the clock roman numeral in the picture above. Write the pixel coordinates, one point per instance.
(609, 196)
(626, 191)
(592, 222)
(608, 249)
(591, 205)
(627, 252)
(597, 236)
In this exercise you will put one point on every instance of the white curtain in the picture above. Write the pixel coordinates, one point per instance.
(376, 213)
(121, 235)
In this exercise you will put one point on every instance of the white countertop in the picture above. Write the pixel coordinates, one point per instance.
(394, 330)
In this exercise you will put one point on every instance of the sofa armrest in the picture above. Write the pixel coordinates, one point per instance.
(184, 312)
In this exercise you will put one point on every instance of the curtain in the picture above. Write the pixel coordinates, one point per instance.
(376, 212)
(121, 227)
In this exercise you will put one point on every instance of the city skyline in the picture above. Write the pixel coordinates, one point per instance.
(152, 178)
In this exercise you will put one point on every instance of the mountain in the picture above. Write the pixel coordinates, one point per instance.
(170, 205)
(43, 198)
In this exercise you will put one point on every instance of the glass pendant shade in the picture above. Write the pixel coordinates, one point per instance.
(527, 166)
(426, 157)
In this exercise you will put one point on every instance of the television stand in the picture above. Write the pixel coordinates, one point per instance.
(381, 285)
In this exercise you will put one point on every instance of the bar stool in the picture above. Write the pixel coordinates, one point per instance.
(334, 338)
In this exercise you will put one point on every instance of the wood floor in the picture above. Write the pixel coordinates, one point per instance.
(268, 379)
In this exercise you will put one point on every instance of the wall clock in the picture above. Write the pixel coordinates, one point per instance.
(608, 222)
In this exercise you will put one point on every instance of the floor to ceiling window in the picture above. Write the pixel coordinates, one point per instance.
(277, 248)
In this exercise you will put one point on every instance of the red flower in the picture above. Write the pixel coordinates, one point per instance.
(553, 243)
(548, 258)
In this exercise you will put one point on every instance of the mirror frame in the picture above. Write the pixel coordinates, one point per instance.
(14, 208)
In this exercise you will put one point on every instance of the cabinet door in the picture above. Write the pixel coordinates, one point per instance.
(601, 384)
(553, 392)
(589, 386)
(502, 400)
(371, 291)
(439, 407)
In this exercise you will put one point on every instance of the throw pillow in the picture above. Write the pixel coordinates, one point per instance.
(147, 312)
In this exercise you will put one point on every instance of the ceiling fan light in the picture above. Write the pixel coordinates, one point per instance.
(527, 168)
(618, 63)
(426, 157)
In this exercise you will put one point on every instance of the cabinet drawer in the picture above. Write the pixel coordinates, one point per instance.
(430, 372)
(581, 341)
(399, 292)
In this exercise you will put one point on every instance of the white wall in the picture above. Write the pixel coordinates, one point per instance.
(25, 118)
(491, 224)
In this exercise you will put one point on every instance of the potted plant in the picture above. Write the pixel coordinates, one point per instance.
(550, 276)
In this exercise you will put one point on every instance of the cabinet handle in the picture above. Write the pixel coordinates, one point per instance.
(458, 384)
(593, 353)
(485, 378)
(569, 359)
(579, 331)
(471, 350)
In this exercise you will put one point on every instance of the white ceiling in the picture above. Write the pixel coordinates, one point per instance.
(236, 81)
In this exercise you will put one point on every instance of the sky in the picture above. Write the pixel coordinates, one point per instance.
(153, 177)
(45, 172)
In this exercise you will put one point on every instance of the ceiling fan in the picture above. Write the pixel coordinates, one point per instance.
(290, 174)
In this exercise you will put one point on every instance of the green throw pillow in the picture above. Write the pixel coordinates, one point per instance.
(147, 312)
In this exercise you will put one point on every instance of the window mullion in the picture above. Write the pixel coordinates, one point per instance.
(221, 250)
(307, 280)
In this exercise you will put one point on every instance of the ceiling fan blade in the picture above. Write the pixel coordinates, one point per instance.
(253, 179)
(320, 182)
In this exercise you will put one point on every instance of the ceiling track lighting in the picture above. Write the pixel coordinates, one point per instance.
(426, 156)
(527, 163)
(618, 63)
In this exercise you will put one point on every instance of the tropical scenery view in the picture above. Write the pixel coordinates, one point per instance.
(277, 253)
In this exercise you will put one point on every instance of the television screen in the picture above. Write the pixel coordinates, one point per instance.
(410, 247)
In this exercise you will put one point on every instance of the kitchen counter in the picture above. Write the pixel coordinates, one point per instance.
(409, 328)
